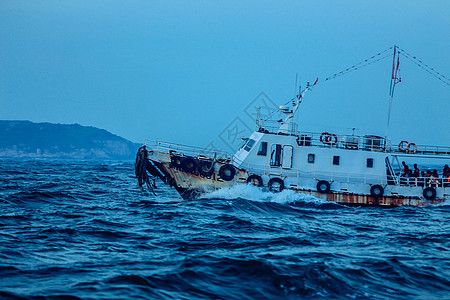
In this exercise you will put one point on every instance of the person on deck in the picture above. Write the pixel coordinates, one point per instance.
(405, 174)
(416, 175)
(446, 176)
(416, 172)
(434, 178)
(427, 177)
(405, 169)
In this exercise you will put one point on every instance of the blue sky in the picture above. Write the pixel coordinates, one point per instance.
(182, 71)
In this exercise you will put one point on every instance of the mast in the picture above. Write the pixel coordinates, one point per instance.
(284, 128)
(394, 81)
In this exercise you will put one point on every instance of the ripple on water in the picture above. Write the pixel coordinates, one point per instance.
(83, 230)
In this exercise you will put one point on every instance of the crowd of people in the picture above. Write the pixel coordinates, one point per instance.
(424, 178)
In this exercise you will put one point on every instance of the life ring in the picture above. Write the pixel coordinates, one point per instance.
(429, 193)
(332, 140)
(413, 150)
(328, 138)
(255, 180)
(276, 185)
(323, 186)
(402, 146)
(176, 161)
(376, 191)
(205, 168)
(227, 172)
(188, 164)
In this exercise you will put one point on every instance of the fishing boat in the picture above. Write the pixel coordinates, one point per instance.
(356, 170)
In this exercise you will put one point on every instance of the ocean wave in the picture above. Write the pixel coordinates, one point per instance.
(92, 234)
(253, 193)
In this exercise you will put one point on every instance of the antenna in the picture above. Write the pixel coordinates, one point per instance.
(299, 86)
(286, 122)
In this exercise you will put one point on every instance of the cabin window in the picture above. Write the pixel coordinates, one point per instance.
(262, 149)
(336, 160)
(311, 158)
(245, 140)
(369, 163)
(275, 155)
(249, 145)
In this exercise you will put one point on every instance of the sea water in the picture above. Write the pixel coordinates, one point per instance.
(84, 230)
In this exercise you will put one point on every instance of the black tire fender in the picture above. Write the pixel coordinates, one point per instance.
(175, 160)
(252, 178)
(227, 172)
(188, 164)
(278, 181)
(429, 193)
(376, 191)
(205, 168)
(323, 187)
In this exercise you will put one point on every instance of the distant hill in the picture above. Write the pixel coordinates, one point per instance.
(24, 139)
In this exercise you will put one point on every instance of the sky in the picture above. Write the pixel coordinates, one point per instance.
(192, 72)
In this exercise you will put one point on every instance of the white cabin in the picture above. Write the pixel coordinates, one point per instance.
(349, 163)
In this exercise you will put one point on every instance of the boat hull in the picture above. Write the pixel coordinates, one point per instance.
(191, 185)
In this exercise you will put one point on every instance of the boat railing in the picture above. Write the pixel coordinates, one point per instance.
(272, 126)
(186, 150)
(351, 141)
(433, 150)
(421, 181)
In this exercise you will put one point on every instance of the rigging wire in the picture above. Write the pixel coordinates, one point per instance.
(374, 59)
(424, 66)
(364, 63)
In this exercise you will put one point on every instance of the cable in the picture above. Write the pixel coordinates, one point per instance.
(424, 66)
(361, 64)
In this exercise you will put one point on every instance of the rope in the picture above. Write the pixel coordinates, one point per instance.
(140, 169)
(374, 59)
(424, 66)
(369, 61)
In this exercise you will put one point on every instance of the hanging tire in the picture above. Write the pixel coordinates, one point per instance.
(176, 161)
(376, 191)
(429, 193)
(255, 180)
(188, 164)
(227, 172)
(205, 168)
(323, 186)
(276, 185)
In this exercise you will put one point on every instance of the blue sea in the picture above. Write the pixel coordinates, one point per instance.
(84, 230)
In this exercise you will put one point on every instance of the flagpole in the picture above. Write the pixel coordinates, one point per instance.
(391, 93)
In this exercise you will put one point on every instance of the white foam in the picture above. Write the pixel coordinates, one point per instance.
(445, 203)
(253, 193)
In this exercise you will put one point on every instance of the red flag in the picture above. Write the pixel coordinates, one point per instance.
(397, 80)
